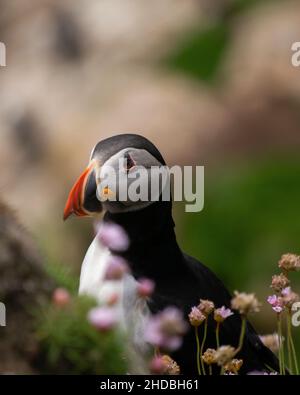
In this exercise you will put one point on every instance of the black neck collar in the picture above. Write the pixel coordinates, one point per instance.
(149, 223)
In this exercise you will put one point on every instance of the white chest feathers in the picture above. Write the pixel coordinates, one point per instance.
(131, 309)
(92, 274)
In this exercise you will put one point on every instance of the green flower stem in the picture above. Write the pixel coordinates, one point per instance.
(218, 334)
(281, 348)
(292, 345)
(202, 346)
(210, 370)
(198, 350)
(280, 343)
(289, 335)
(242, 334)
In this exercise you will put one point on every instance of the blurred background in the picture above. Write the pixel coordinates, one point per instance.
(209, 82)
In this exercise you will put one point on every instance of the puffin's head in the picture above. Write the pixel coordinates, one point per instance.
(115, 163)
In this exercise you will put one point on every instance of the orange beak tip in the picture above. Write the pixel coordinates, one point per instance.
(66, 216)
(74, 201)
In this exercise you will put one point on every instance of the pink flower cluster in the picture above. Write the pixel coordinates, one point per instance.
(286, 298)
(165, 329)
(145, 287)
(116, 268)
(113, 237)
(222, 313)
(102, 318)
(276, 302)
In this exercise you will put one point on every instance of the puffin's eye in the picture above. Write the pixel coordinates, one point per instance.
(129, 162)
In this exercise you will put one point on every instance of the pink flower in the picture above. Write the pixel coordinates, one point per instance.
(289, 262)
(61, 297)
(165, 329)
(196, 317)
(113, 299)
(272, 300)
(277, 309)
(206, 306)
(272, 341)
(289, 297)
(276, 302)
(157, 365)
(102, 318)
(222, 313)
(116, 268)
(286, 291)
(113, 237)
(145, 287)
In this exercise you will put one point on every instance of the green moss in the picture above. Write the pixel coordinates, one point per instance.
(70, 345)
(62, 275)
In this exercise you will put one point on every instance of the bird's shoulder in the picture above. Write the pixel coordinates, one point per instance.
(209, 285)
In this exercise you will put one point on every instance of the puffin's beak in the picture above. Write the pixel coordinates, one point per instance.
(76, 197)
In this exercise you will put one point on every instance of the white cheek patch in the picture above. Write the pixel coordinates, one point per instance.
(139, 184)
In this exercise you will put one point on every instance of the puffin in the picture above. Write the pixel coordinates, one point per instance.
(153, 253)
